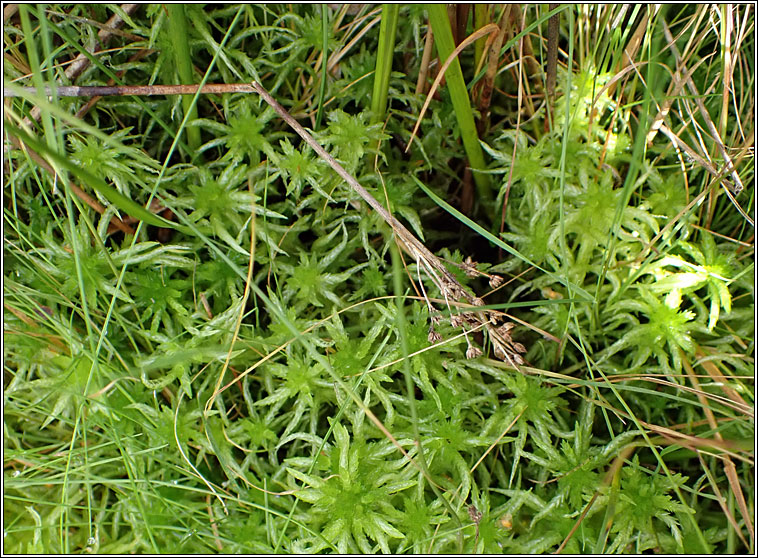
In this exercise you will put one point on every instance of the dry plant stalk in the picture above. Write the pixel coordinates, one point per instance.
(142, 90)
(503, 345)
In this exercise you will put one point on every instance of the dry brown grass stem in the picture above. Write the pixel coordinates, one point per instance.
(729, 469)
(738, 187)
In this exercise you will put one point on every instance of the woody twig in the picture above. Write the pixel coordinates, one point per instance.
(142, 90)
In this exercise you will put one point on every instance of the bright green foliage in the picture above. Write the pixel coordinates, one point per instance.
(664, 331)
(356, 82)
(299, 168)
(243, 138)
(711, 269)
(351, 137)
(159, 295)
(419, 521)
(644, 500)
(372, 282)
(118, 165)
(309, 31)
(354, 504)
(310, 283)
(155, 402)
(301, 382)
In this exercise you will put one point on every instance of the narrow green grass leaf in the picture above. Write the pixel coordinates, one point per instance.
(324, 63)
(496, 241)
(443, 38)
(482, 16)
(385, 51)
(179, 32)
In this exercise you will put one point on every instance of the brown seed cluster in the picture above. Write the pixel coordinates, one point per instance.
(474, 514)
(503, 346)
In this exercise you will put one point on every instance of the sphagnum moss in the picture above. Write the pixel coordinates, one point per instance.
(150, 406)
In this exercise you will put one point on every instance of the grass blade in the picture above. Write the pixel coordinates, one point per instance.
(387, 31)
(443, 37)
(179, 33)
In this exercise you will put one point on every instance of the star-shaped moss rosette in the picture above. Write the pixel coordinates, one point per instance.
(469, 318)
